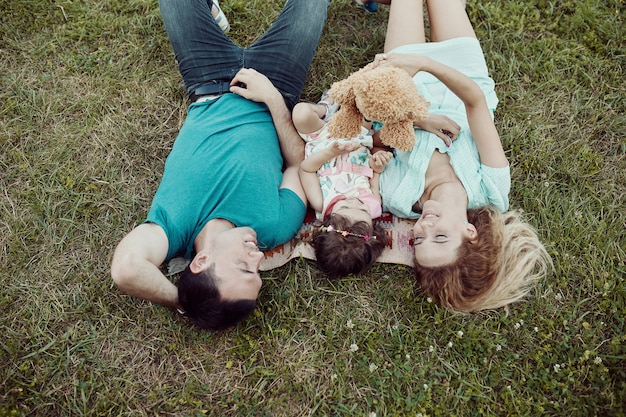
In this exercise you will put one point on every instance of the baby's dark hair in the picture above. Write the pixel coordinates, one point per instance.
(352, 252)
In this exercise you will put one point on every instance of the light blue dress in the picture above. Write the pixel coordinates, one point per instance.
(402, 183)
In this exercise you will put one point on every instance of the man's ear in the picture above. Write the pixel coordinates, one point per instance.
(199, 263)
(471, 233)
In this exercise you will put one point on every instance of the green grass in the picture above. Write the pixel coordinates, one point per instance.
(91, 101)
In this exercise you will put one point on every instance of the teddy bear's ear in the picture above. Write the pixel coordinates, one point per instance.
(342, 92)
(346, 123)
(399, 135)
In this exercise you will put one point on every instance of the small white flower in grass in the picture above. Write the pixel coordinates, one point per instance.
(450, 344)
(333, 377)
(431, 348)
(536, 329)
(498, 348)
(373, 367)
(408, 357)
(372, 414)
(353, 347)
(394, 327)
(425, 386)
(349, 324)
(430, 300)
(459, 334)
(557, 368)
(597, 360)
(546, 184)
(517, 326)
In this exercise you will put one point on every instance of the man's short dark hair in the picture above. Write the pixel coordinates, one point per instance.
(200, 298)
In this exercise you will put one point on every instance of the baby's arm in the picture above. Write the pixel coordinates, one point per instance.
(310, 166)
(378, 162)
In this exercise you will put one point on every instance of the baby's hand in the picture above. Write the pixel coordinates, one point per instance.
(380, 160)
(339, 147)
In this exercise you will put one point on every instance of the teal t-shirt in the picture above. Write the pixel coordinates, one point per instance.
(225, 163)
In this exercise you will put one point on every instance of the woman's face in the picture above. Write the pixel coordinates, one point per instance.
(438, 234)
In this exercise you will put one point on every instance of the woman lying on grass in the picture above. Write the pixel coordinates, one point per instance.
(470, 253)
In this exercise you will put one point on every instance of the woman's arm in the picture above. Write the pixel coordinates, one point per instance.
(479, 118)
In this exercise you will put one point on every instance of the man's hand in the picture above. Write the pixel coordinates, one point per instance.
(251, 84)
(380, 160)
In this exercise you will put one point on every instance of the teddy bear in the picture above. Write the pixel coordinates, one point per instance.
(385, 94)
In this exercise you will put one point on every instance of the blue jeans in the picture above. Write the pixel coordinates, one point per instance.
(283, 54)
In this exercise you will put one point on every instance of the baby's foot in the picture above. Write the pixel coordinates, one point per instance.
(331, 106)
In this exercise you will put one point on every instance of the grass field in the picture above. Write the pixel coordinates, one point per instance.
(91, 102)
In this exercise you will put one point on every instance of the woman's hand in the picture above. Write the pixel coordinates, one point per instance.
(440, 125)
(410, 63)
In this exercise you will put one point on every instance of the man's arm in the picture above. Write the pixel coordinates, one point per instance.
(135, 266)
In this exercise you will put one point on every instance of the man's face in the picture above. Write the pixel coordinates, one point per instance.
(237, 257)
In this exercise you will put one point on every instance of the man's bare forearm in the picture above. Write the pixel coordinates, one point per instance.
(291, 145)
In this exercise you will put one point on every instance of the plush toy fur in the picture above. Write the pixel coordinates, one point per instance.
(384, 94)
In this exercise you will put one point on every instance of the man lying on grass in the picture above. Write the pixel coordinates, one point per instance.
(224, 194)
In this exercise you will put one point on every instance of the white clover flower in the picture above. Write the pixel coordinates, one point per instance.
(425, 386)
(450, 344)
(394, 327)
(536, 329)
(597, 360)
(431, 348)
(408, 357)
(430, 300)
(459, 334)
(557, 368)
(353, 347)
(498, 348)
(517, 326)
(373, 367)
(546, 184)
(349, 324)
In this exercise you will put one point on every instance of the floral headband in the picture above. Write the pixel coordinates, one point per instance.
(344, 233)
